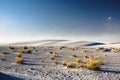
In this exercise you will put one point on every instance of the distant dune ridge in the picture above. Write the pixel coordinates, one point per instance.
(66, 43)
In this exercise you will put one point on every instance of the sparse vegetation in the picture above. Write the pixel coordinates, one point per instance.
(11, 47)
(70, 65)
(52, 57)
(56, 62)
(42, 61)
(78, 60)
(74, 55)
(4, 52)
(64, 62)
(20, 55)
(19, 60)
(93, 63)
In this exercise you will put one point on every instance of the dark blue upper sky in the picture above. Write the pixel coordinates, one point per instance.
(63, 19)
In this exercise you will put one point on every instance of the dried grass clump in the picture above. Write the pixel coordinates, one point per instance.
(52, 57)
(74, 55)
(3, 59)
(19, 60)
(71, 48)
(4, 52)
(94, 63)
(79, 66)
(20, 55)
(78, 60)
(11, 47)
(25, 47)
(56, 62)
(42, 61)
(64, 62)
(20, 51)
(70, 65)
(50, 52)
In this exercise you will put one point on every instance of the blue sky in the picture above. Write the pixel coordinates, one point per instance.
(91, 20)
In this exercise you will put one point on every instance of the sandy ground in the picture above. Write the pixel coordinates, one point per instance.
(34, 69)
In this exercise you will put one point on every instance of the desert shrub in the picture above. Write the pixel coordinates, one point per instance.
(79, 66)
(19, 60)
(56, 62)
(28, 51)
(50, 52)
(11, 47)
(64, 62)
(20, 51)
(70, 65)
(3, 59)
(52, 57)
(93, 63)
(34, 47)
(4, 52)
(74, 55)
(86, 56)
(42, 61)
(78, 60)
(25, 47)
(71, 48)
(19, 55)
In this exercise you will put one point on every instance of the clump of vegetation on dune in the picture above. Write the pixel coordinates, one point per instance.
(70, 65)
(24, 51)
(19, 55)
(64, 62)
(56, 61)
(4, 52)
(19, 60)
(11, 47)
(94, 63)
(73, 55)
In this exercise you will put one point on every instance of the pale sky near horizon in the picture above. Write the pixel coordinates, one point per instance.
(89, 20)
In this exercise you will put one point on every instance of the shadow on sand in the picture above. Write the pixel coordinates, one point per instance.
(8, 77)
(110, 71)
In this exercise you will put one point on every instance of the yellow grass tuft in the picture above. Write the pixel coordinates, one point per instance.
(11, 47)
(4, 52)
(20, 55)
(42, 61)
(19, 60)
(93, 63)
(56, 62)
(52, 57)
(78, 60)
(74, 55)
(70, 65)
(64, 62)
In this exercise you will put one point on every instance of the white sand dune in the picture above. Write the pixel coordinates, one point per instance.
(33, 68)
(58, 43)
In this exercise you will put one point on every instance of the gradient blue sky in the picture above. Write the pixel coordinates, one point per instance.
(91, 20)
